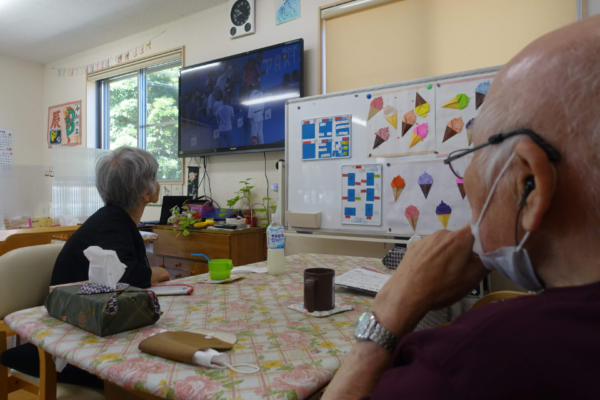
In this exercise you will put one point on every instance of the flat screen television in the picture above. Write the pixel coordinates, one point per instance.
(236, 104)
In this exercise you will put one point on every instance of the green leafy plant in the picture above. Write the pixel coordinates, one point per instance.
(184, 219)
(245, 192)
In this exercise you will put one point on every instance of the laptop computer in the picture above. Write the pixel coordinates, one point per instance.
(167, 204)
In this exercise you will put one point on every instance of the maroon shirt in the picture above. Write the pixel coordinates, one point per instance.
(531, 347)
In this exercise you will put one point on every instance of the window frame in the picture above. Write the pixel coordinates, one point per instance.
(103, 108)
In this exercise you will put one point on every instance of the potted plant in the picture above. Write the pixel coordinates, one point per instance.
(183, 219)
(248, 209)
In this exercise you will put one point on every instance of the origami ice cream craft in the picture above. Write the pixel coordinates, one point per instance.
(381, 136)
(376, 106)
(391, 115)
(454, 127)
(469, 128)
(443, 212)
(408, 120)
(421, 106)
(461, 187)
(458, 102)
(425, 182)
(419, 133)
(480, 93)
(398, 186)
(412, 215)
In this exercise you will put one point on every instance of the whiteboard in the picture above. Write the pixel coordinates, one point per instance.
(316, 185)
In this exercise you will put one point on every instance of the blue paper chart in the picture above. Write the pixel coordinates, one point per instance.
(326, 138)
(361, 194)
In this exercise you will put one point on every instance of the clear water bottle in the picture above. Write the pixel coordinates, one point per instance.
(275, 233)
(276, 244)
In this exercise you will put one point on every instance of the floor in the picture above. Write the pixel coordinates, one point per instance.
(22, 395)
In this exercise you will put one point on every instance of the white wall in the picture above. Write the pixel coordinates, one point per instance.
(592, 7)
(21, 108)
(205, 37)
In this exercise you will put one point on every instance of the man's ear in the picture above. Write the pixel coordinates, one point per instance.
(533, 162)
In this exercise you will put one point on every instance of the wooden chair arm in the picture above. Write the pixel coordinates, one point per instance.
(7, 331)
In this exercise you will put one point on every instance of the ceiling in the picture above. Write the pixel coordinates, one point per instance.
(43, 31)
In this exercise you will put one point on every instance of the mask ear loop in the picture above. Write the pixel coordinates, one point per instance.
(487, 202)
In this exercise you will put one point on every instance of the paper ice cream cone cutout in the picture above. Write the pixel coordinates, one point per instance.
(391, 116)
(381, 136)
(453, 128)
(443, 212)
(393, 121)
(458, 102)
(444, 219)
(421, 106)
(408, 120)
(419, 133)
(469, 128)
(376, 106)
(461, 187)
(412, 215)
(480, 93)
(425, 182)
(398, 186)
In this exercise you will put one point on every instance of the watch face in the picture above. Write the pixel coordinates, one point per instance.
(240, 12)
(362, 323)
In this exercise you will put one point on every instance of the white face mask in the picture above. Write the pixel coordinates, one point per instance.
(513, 261)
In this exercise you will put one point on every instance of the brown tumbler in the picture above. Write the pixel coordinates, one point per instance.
(319, 293)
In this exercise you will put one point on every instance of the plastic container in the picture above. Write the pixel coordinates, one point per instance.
(275, 233)
(275, 261)
(220, 269)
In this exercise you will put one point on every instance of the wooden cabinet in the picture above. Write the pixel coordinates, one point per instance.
(172, 252)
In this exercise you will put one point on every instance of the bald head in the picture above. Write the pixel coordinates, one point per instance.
(552, 87)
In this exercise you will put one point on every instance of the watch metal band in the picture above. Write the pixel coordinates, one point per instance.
(378, 334)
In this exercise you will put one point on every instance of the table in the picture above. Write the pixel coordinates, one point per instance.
(298, 354)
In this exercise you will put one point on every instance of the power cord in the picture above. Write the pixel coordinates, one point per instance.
(267, 178)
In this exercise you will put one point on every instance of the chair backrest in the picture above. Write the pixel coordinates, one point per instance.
(25, 275)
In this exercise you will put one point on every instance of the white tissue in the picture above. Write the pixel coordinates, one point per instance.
(67, 220)
(105, 266)
(413, 239)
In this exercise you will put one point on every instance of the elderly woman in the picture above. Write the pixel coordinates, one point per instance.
(126, 181)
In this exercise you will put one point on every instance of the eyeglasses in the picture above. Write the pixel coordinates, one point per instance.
(458, 162)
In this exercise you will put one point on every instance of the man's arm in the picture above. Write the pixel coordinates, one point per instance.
(436, 272)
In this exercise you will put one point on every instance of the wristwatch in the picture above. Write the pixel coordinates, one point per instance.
(367, 328)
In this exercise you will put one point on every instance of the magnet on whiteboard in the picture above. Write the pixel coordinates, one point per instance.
(368, 96)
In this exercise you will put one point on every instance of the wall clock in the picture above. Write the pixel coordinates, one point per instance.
(241, 17)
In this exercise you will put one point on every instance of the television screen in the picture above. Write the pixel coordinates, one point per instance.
(237, 103)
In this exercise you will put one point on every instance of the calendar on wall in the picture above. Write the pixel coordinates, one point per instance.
(6, 146)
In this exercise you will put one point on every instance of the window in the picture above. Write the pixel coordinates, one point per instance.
(140, 108)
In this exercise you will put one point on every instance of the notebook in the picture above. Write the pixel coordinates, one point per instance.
(363, 279)
(171, 290)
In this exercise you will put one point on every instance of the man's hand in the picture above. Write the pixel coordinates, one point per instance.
(159, 275)
(435, 273)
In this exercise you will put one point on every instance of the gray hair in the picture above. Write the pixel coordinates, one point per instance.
(124, 175)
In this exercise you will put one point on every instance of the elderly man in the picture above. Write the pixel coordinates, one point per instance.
(534, 195)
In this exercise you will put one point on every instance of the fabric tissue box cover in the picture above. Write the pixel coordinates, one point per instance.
(393, 257)
(102, 310)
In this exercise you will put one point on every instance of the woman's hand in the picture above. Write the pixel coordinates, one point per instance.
(159, 275)
(435, 273)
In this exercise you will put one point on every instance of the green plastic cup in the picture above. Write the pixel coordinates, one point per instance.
(220, 269)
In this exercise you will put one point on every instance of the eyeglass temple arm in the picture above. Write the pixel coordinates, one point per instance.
(464, 153)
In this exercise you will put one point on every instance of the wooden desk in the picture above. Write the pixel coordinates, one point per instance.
(16, 238)
(172, 252)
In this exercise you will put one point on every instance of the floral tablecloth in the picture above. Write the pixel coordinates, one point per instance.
(298, 354)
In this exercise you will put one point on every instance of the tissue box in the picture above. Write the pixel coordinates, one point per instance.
(104, 311)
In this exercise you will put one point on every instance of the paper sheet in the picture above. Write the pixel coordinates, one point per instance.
(327, 138)
(361, 194)
(431, 178)
(6, 147)
(362, 279)
(402, 102)
(456, 98)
